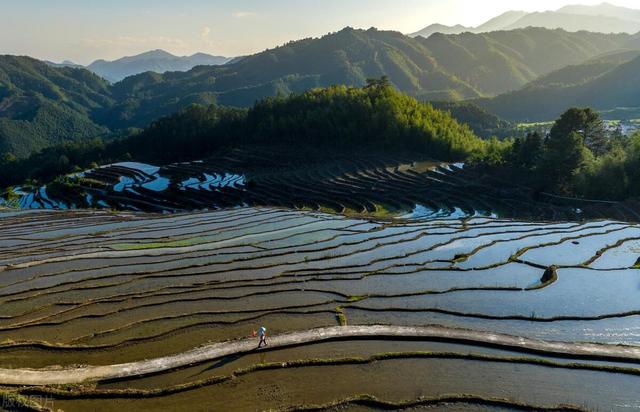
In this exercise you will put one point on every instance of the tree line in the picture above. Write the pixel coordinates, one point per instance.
(579, 157)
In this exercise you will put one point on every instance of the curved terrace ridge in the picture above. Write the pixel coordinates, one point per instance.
(77, 375)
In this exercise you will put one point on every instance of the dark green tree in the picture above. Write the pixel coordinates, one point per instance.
(381, 82)
(608, 178)
(564, 155)
(585, 122)
(617, 139)
(527, 152)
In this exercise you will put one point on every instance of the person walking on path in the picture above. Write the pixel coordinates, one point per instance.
(262, 333)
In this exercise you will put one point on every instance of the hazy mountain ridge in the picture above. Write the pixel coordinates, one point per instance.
(158, 61)
(442, 29)
(500, 22)
(603, 9)
(576, 22)
(602, 18)
(494, 24)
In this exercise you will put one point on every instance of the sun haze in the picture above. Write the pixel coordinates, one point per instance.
(82, 31)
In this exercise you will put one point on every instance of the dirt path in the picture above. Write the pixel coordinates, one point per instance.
(77, 375)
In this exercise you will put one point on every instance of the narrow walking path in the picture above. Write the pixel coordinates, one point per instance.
(51, 376)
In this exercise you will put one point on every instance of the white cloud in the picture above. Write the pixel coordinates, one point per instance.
(204, 34)
(136, 41)
(127, 45)
(243, 14)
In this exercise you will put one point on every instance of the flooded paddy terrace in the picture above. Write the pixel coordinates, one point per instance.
(359, 183)
(103, 288)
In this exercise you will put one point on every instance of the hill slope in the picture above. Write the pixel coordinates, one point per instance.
(586, 71)
(41, 105)
(500, 61)
(595, 84)
(500, 22)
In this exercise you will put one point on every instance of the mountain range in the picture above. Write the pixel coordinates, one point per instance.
(41, 105)
(158, 61)
(602, 18)
(439, 68)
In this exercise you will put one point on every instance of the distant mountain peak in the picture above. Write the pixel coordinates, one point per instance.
(156, 53)
(65, 63)
(441, 28)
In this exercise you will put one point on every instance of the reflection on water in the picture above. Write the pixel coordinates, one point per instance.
(424, 212)
(131, 286)
(395, 381)
(135, 177)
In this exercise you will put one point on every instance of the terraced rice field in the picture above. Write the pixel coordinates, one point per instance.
(353, 184)
(464, 313)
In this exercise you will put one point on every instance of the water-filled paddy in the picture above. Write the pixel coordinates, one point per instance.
(396, 380)
(358, 183)
(98, 288)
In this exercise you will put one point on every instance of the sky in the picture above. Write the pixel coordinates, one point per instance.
(86, 30)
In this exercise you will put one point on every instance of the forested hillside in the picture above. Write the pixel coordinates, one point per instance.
(497, 62)
(603, 85)
(483, 123)
(376, 118)
(586, 71)
(42, 105)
